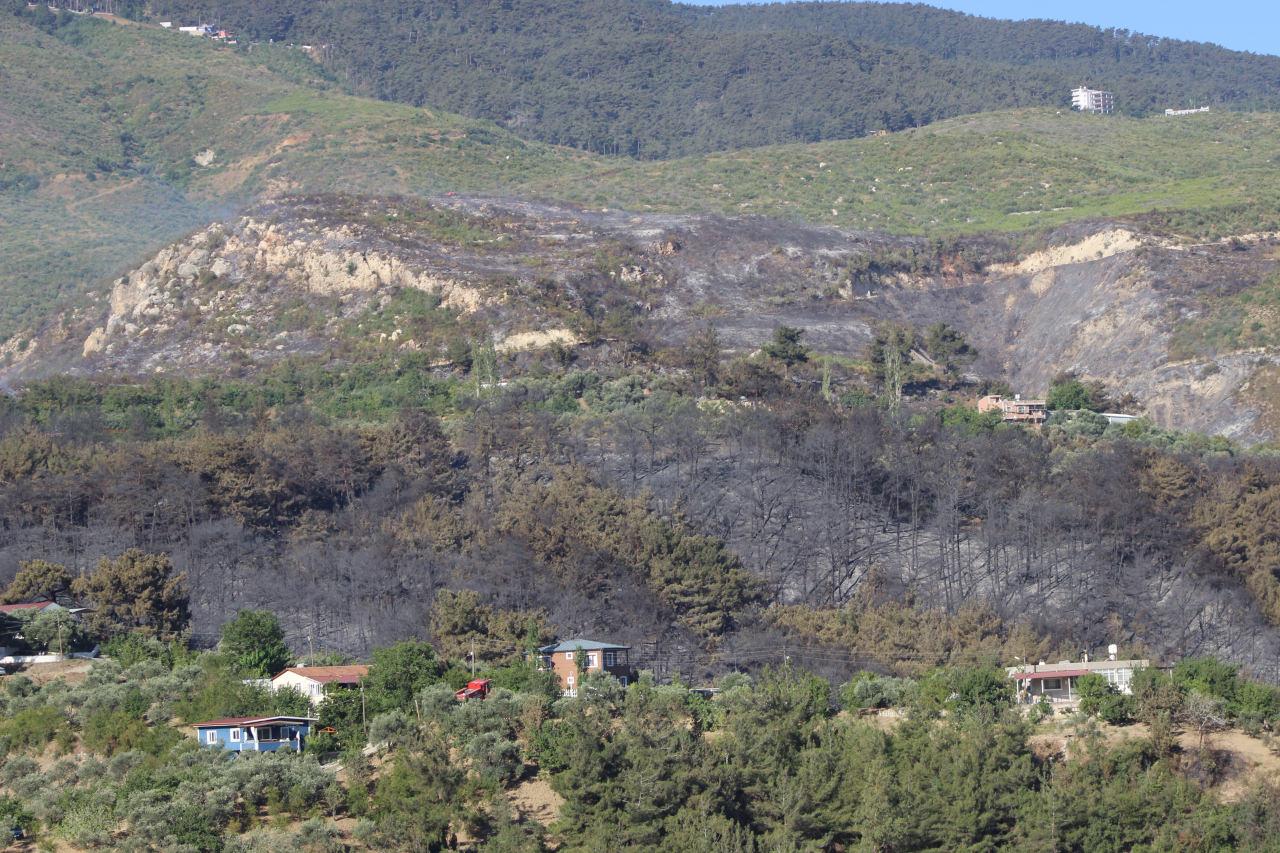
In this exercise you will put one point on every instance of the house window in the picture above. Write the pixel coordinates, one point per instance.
(210, 736)
(592, 659)
(571, 681)
(235, 735)
(546, 662)
(1051, 684)
(568, 655)
(610, 659)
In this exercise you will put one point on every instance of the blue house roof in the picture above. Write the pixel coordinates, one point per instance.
(574, 645)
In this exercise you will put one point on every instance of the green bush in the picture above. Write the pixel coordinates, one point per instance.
(1208, 676)
(31, 728)
(1040, 711)
(868, 690)
(1099, 698)
(980, 689)
(14, 814)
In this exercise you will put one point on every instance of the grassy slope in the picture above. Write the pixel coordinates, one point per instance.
(997, 171)
(274, 123)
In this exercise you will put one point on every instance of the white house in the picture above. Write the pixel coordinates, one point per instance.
(314, 682)
(1056, 682)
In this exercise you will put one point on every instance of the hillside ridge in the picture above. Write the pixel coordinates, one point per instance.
(656, 80)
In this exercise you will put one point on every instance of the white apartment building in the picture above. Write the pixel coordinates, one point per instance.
(1088, 100)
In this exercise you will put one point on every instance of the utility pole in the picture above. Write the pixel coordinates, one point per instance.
(473, 657)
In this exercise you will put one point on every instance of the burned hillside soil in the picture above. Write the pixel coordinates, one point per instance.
(340, 275)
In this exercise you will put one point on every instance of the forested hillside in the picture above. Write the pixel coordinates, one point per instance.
(652, 79)
(673, 496)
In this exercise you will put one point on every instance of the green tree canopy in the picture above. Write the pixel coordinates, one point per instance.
(1068, 392)
(399, 672)
(38, 580)
(135, 591)
(53, 630)
(948, 347)
(254, 643)
(785, 346)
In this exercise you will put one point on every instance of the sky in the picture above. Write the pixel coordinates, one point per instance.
(1239, 24)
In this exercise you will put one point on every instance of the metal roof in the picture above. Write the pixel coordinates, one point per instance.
(250, 721)
(1056, 673)
(585, 645)
(350, 674)
(28, 605)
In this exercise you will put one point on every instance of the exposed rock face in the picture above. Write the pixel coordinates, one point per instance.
(1103, 301)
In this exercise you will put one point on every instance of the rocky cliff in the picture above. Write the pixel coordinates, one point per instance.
(303, 275)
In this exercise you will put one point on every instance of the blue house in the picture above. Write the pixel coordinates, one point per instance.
(255, 734)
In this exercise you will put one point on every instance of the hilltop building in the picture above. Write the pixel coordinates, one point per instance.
(1015, 411)
(1186, 112)
(1088, 100)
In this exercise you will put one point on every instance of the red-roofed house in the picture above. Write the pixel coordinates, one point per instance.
(1056, 682)
(314, 681)
(29, 607)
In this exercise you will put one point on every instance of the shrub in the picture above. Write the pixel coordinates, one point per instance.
(31, 728)
(1155, 695)
(868, 690)
(495, 757)
(1040, 711)
(1254, 704)
(984, 689)
(14, 814)
(133, 648)
(1208, 676)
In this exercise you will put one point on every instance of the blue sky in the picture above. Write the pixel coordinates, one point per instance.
(1240, 24)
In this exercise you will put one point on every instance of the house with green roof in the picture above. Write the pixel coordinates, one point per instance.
(571, 660)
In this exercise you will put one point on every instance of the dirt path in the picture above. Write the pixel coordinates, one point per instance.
(129, 184)
(73, 671)
(534, 799)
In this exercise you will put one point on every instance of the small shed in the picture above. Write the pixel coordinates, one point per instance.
(255, 734)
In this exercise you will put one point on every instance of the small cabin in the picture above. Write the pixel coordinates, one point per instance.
(255, 734)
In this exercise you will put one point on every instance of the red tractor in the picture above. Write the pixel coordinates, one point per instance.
(477, 688)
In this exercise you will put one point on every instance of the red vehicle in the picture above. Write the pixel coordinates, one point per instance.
(476, 689)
